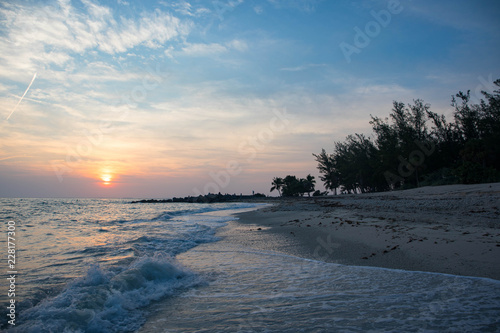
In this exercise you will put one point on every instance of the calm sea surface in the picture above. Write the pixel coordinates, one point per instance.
(98, 265)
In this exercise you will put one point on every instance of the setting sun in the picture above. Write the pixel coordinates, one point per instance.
(106, 179)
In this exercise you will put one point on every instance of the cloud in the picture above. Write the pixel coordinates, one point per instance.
(200, 49)
(238, 45)
(391, 89)
(53, 35)
(4, 87)
(302, 5)
(185, 8)
(302, 68)
(460, 14)
(98, 71)
(151, 30)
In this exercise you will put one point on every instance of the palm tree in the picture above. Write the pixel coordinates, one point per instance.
(309, 184)
(277, 184)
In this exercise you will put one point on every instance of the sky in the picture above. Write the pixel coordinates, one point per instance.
(155, 99)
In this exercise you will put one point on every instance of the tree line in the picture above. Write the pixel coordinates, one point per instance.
(417, 147)
(291, 186)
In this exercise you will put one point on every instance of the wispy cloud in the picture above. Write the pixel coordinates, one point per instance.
(203, 49)
(54, 35)
(11, 157)
(302, 67)
(186, 8)
(303, 5)
(200, 49)
(375, 89)
(461, 14)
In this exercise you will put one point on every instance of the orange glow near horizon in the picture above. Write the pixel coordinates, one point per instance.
(106, 179)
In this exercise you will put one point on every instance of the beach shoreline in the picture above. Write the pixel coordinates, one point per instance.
(452, 229)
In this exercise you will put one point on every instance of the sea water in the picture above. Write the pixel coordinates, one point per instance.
(95, 265)
(261, 291)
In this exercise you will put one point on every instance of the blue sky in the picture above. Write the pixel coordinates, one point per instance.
(164, 98)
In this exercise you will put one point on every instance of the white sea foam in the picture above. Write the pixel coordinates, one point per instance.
(254, 291)
(92, 265)
(106, 301)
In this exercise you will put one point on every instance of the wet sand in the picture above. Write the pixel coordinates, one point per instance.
(453, 229)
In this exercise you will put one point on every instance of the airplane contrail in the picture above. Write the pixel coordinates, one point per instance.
(20, 100)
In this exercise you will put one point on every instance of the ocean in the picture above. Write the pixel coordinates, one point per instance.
(106, 265)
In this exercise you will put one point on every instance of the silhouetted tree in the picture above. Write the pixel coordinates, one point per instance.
(405, 152)
(357, 151)
(292, 186)
(309, 182)
(326, 167)
(478, 130)
(277, 184)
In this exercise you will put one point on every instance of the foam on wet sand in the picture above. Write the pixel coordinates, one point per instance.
(451, 229)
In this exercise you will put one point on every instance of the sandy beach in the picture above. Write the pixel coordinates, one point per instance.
(276, 269)
(452, 229)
